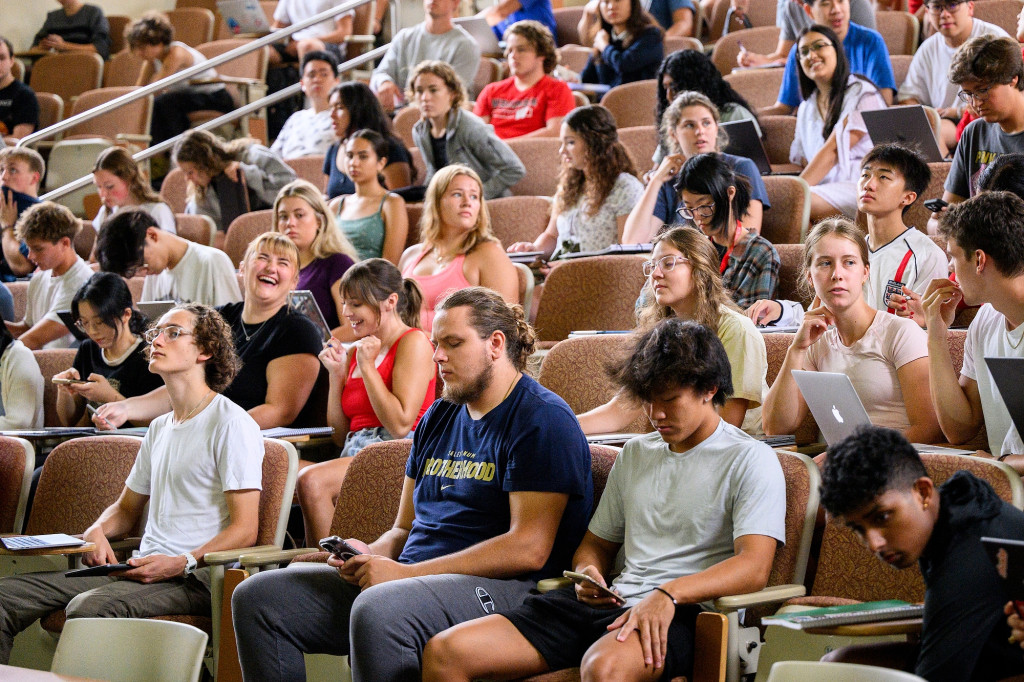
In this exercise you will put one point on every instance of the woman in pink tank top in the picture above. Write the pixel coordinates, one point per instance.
(379, 387)
(458, 249)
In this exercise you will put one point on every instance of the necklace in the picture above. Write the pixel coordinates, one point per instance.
(193, 410)
(249, 336)
(509, 391)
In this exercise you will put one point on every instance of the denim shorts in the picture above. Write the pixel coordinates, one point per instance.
(357, 440)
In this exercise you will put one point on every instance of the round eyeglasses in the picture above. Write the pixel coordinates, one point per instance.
(666, 263)
(171, 332)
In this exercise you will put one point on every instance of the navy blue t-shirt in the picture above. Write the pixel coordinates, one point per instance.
(668, 200)
(465, 468)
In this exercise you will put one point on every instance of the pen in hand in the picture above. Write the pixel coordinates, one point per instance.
(96, 415)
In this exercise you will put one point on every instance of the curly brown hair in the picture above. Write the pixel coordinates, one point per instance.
(153, 28)
(446, 73)
(209, 153)
(604, 155)
(539, 36)
(47, 221)
(212, 335)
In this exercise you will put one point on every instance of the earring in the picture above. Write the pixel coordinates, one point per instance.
(925, 505)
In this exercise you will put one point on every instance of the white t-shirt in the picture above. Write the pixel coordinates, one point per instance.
(185, 469)
(871, 363)
(679, 513)
(161, 212)
(927, 262)
(745, 348)
(203, 275)
(927, 79)
(988, 337)
(21, 389)
(291, 12)
(600, 230)
(47, 294)
(305, 133)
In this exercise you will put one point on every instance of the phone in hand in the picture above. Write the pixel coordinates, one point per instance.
(67, 382)
(584, 579)
(935, 205)
(339, 548)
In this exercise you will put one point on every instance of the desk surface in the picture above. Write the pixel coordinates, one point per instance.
(49, 551)
(907, 626)
(10, 673)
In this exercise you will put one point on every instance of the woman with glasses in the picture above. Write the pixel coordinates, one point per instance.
(277, 347)
(885, 356)
(689, 127)
(112, 361)
(683, 281)
(597, 187)
(831, 138)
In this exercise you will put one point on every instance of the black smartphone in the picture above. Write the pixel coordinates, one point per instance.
(105, 569)
(339, 548)
(935, 205)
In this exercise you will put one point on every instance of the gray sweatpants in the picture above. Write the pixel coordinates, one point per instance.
(308, 608)
(26, 598)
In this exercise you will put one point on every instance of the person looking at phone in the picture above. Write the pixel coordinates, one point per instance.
(694, 466)
(875, 483)
(277, 346)
(200, 469)
(497, 492)
(112, 361)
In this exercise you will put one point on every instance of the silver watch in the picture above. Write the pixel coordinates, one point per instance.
(190, 564)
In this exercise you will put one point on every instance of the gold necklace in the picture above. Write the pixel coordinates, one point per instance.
(193, 410)
(510, 386)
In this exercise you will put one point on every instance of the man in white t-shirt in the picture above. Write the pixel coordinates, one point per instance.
(200, 468)
(698, 508)
(328, 35)
(49, 230)
(985, 243)
(176, 269)
(927, 81)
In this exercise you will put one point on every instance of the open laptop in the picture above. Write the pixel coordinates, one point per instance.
(481, 32)
(744, 141)
(243, 16)
(908, 125)
(302, 301)
(154, 310)
(1008, 375)
(838, 411)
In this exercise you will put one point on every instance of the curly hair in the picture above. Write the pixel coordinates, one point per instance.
(119, 162)
(991, 222)
(209, 154)
(212, 336)
(490, 313)
(603, 154)
(539, 36)
(446, 73)
(48, 221)
(711, 295)
(675, 353)
(692, 70)
(153, 28)
(430, 221)
(989, 59)
(371, 282)
(868, 463)
(330, 239)
(674, 113)
(829, 227)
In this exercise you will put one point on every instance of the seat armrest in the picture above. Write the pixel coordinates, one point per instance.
(360, 38)
(259, 559)
(227, 80)
(227, 556)
(769, 595)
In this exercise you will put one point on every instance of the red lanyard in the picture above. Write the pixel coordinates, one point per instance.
(735, 238)
(899, 274)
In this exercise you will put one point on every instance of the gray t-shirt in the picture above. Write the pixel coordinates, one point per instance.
(678, 514)
(791, 17)
(981, 144)
(414, 45)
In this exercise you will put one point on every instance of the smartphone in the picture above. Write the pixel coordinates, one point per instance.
(339, 548)
(935, 205)
(58, 380)
(583, 578)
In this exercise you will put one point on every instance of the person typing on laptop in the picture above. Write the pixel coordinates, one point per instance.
(884, 355)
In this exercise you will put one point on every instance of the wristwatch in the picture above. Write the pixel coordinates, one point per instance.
(190, 564)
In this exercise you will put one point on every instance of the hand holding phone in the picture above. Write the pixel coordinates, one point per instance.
(935, 205)
(339, 547)
(69, 382)
(589, 581)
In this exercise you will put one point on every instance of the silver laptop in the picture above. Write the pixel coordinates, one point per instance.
(482, 33)
(243, 16)
(302, 301)
(838, 411)
(744, 141)
(154, 310)
(908, 125)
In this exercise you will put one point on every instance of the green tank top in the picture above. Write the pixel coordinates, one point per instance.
(367, 233)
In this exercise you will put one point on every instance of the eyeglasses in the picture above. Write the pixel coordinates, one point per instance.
(88, 327)
(171, 332)
(666, 263)
(937, 7)
(817, 47)
(705, 211)
(979, 95)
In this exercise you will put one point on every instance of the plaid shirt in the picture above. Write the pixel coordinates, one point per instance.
(753, 270)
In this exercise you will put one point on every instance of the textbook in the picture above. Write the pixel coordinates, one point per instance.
(613, 250)
(849, 614)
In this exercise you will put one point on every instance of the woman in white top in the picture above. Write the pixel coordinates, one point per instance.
(597, 188)
(151, 38)
(885, 356)
(121, 185)
(831, 138)
(683, 281)
(21, 385)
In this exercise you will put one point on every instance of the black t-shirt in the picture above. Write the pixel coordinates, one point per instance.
(338, 183)
(286, 333)
(439, 145)
(18, 104)
(130, 378)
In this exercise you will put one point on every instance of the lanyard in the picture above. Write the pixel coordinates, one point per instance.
(735, 238)
(899, 273)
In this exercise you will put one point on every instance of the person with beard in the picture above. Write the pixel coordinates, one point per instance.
(497, 493)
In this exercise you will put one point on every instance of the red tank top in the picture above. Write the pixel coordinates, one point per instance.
(355, 402)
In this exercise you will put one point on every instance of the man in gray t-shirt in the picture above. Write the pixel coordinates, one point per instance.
(791, 17)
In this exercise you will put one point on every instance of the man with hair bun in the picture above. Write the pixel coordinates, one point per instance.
(497, 492)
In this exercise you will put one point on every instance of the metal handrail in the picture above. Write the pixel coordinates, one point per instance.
(186, 74)
(242, 111)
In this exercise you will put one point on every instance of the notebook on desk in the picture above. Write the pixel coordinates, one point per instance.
(848, 614)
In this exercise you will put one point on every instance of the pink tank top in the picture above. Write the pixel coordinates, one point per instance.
(436, 287)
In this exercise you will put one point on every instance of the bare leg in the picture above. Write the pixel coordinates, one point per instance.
(609, 660)
(319, 486)
(948, 139)
(489, 647)
(821, 209)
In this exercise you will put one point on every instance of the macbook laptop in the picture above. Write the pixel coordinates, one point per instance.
(838, 411)
(744, 141)
(908, 125)
(243, 16)
(481, 32)
(154, 310)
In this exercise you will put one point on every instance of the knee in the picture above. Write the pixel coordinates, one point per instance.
(251, 596)
(442, 656)
(308, 45)
(376, 612)
(96, 604)
(600, 666)
(311, 485)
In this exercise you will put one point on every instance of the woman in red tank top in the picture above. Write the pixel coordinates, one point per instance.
(379, 387)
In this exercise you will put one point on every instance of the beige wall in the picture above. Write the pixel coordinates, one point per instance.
(20, 26)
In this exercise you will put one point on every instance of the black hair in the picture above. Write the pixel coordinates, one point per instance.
(10, 50)
(710, 174)
(319, 56)
(638, 22)
(1005, 174)
(837, 85)
(364, 110)
(992, 222)
(675, 353)
(905, 161)
(109, 296)
(379, 144)
(693, 70)
(122, 239)
(866, 464)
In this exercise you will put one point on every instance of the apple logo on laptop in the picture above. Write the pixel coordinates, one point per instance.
(835, 413)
